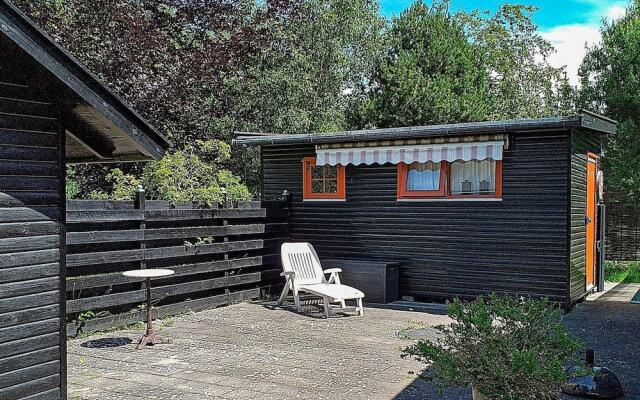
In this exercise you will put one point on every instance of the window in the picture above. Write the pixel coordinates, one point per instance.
(457, 179)
(322, 182)
(421, 179)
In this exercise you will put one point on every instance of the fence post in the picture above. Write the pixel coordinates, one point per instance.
(225, 223)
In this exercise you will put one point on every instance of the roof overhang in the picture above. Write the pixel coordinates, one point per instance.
(100, 126)
(584, 120)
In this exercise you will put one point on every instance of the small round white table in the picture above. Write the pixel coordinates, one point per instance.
(149, 338)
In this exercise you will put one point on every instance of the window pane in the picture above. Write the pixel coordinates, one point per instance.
(423, 176)
(473, 177)
(317, 186)
(331, 186)
(317, 172)
(330, 172)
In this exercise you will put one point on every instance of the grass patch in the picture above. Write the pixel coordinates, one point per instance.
(622, 271)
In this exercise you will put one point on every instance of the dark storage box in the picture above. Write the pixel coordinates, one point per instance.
(378, 280)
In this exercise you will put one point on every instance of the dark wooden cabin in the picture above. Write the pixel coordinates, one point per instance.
(52, 111)
(465, 209)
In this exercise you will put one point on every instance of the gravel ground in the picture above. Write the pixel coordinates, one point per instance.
(257, 351)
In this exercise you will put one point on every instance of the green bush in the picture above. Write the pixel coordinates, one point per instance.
(622, 271)
(193, 174)
(508, 348)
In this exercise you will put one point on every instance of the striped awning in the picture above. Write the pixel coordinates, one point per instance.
(410, 153)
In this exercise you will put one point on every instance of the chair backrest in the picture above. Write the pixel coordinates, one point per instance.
(302, 259)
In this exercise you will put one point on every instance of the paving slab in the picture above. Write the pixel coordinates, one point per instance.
(258, 351)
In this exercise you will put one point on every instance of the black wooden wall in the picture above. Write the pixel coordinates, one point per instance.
(447, 248)
(581, 144)
(31, 222)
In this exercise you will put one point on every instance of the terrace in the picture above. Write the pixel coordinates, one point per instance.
(256, 350)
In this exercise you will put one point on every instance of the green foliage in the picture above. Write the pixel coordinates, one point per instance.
(508, 348)
(72, 187)
(431, 73)
(611, 85)
(622, 271)
(123, 186)
(444, 68)
(522, 82)
(193, 174)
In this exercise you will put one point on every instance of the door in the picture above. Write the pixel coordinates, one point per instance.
(590, 220)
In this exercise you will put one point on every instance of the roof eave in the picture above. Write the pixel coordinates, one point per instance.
(39, 45)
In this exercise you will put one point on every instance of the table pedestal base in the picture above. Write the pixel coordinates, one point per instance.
(150, 340)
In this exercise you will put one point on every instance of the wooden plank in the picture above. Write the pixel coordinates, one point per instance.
(28, 316)
(29, 388)
(183, 251)
(21, 138)
(98, 205)
(16, 106)
(190, 305)
(23, 288)
(53, 394)
(207, 284)
(31, 343)
(170, 215)
(29, 301)
(10, 260)
(28, 330)
(30, 373)
(28, 183)
(28, 272)
(95, 216)
(109, 300)
(106, 257)
(29, 168)
(13, 245)
(101, 280)
(35, 198)
(28, 214)
(202, 231)
(27, 230)
(138, 296)
(26, 360)
(105, 236)
(9, 152)
(28, 123)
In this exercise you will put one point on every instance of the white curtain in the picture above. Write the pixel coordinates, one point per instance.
(473, 177)
(423, 176)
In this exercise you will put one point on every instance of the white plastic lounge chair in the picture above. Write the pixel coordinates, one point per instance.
(304, 273)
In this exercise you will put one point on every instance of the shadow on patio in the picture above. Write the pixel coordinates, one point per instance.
(248, 351)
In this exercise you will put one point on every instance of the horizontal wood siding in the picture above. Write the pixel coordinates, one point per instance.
(238, 259)
(446, 248)
(30, 226)
(581, 144)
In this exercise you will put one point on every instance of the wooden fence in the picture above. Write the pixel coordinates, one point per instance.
(219, 255)
(622, 231)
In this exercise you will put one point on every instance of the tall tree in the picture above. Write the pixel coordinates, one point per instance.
(610, 75)
(453, 67)
(522, 81)
(306, 77)
(431, 72)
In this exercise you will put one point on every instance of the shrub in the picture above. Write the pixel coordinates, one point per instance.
(508, 348)
(195, 173)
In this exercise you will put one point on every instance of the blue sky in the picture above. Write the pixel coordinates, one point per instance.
(568, 24)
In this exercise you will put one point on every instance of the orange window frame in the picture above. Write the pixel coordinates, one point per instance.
(445, 184)
(403, 176)
(307, 179)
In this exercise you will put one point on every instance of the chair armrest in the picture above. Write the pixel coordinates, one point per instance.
(288, 274)
(334, 277)
(332, 270)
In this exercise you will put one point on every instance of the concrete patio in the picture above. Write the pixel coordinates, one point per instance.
(256, 351)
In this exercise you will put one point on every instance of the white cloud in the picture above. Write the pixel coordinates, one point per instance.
(570, 41)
